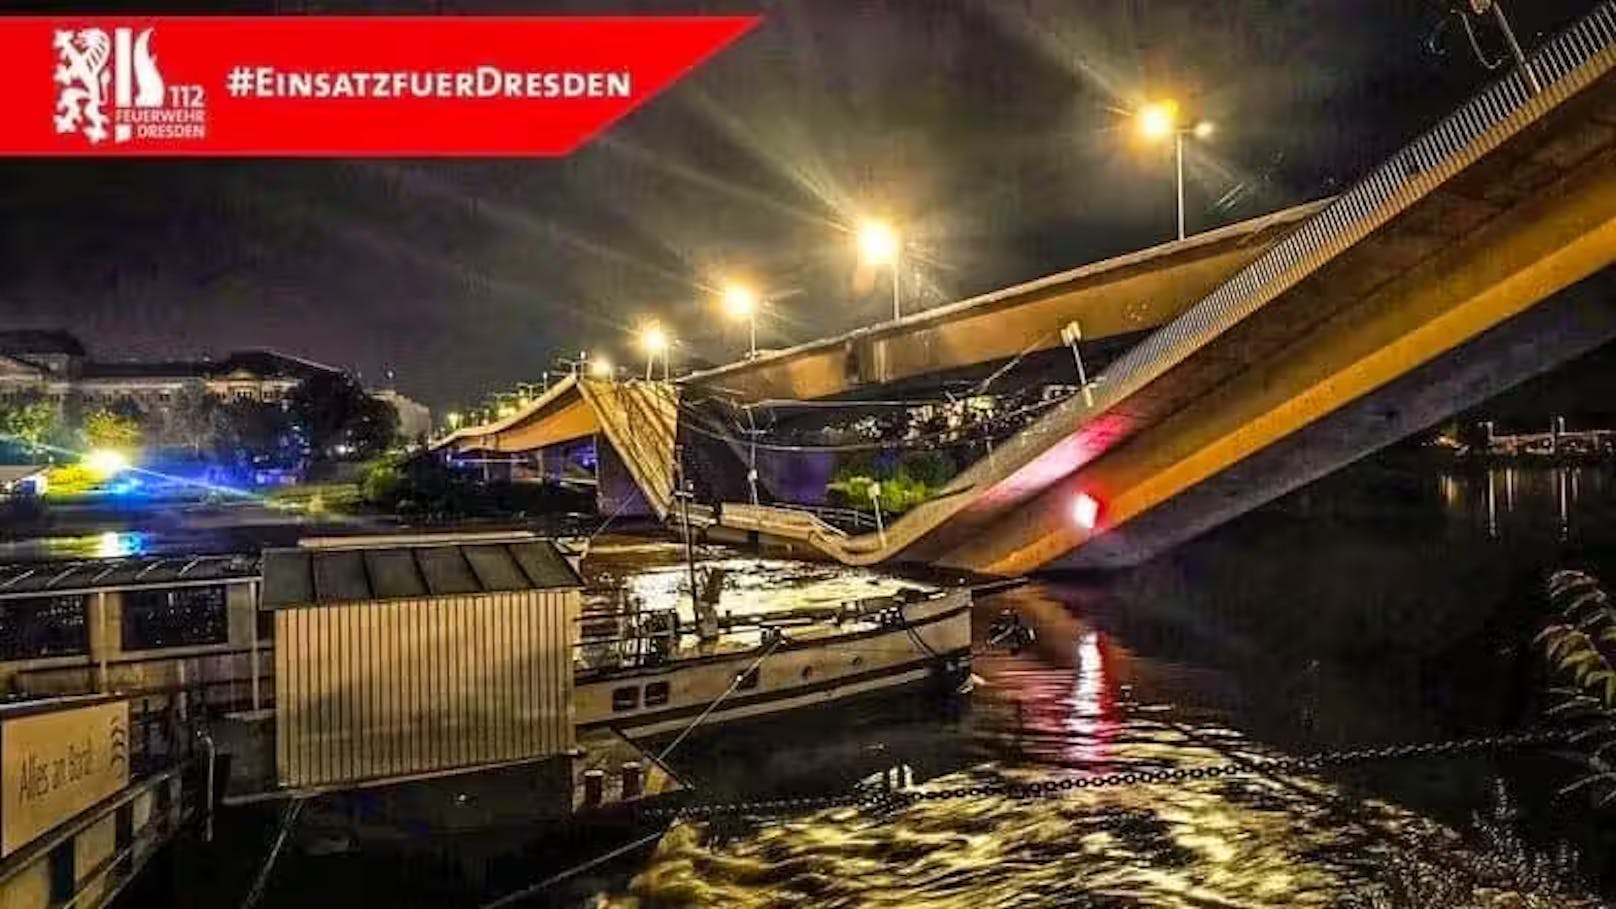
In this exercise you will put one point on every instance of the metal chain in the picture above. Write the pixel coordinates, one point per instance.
(883, 799)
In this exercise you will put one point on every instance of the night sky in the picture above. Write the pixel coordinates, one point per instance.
(990, 130)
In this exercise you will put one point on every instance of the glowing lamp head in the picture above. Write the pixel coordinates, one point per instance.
(740, 302)
(1204, 129)
(600, 367)
(454, 419)
(1158, 120)
(653, 340)
(1086, 511)
(104, 462)
(878, 243)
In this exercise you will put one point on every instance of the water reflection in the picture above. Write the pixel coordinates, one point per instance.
(114, 545)
(1506, 500)
(1090, 712)
(108, 544)
(659, 578)
(1061, 710)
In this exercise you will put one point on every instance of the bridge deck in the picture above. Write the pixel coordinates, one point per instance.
(1502, 204)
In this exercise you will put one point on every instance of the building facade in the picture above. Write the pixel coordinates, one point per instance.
(414, 418)
(55, 365)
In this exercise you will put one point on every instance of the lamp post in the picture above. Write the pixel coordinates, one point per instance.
(1159, 120)
(875, 499)
(741, 302)
(654, 341)
(879, 244)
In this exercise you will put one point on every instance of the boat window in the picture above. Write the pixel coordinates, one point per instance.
(63, 876)
(748, 680)
(656, 693)
(34, 627)
(179, 617)
(626, 698)
(123, 826)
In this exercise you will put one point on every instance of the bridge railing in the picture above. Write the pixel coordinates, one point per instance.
(1564, 65)
(845, 518)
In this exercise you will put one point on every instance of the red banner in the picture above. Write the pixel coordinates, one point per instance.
(335, 86)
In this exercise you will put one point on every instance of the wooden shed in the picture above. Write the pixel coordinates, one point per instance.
(399, 660)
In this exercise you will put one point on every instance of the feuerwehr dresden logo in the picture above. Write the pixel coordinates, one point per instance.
(112, 81)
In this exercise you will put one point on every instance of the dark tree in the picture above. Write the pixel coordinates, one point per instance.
(192, 421)
(29, 420)
(339, 419)
(252, 431)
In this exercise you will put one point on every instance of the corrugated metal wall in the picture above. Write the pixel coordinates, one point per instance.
(403, 687)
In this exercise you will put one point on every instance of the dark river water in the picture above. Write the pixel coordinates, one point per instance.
(1380, 605)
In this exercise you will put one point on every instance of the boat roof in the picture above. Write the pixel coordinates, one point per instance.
(372, 570)
(51, 578)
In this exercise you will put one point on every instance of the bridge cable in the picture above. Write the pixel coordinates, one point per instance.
(733, 685)
(611, 517)
(927, 439)
(1036, 345)
(261, 881)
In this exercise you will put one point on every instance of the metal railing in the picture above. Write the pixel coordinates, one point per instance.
(845, 518)
(626, 638)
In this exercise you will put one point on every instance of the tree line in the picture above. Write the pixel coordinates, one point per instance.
(326, 417)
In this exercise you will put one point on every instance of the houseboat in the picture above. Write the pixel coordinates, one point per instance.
(110, 670)
(403, 660)
(392, 663)
(645, 674)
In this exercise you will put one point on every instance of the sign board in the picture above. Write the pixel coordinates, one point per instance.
(54, 765)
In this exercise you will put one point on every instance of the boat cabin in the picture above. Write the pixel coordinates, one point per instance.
(402, 660)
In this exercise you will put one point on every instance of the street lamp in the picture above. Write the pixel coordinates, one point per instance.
(600, 367)
(742, 302)
(1159, 120)
(654, 341)
(879, 244)
(106, 462)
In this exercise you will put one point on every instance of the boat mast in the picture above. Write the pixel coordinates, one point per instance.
(683, 494)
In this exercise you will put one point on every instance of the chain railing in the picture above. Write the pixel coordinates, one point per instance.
(881, 799)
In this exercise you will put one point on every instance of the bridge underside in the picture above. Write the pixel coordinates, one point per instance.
(637, 420)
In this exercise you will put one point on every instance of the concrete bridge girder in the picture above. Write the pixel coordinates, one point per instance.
(1523, 212)
(1119, 296)
(1364, 334)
